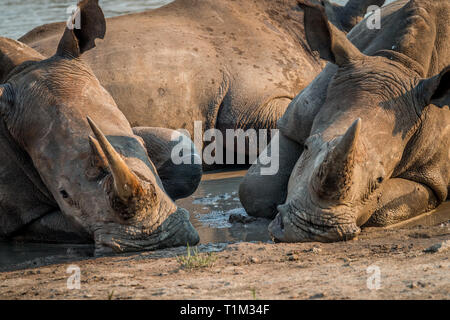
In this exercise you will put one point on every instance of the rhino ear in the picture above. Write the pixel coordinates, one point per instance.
(323, 37)
(436, 90)
(87, 24)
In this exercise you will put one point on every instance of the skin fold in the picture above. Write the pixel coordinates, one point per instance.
(372, 130)
(72, 168)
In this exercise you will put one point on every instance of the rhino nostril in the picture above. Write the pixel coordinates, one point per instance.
(279, 221)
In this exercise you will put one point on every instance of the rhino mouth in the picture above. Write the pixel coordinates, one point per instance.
(294, 225)
(176, 230)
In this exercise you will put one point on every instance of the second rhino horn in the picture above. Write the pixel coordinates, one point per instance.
(334, 175)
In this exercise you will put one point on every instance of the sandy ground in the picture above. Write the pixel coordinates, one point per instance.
(260, 270)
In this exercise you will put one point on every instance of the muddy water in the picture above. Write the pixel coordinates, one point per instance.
(212, 205)
(29, 255)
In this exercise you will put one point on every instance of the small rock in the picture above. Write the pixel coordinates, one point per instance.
(192, 287)
(254, 260)
(315, 250)
(438, 247)
(421, 284)
(414, 285)
(317, 296)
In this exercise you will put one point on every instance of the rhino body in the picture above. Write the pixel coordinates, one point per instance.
(229, 64)
(71, 167)
(367, 143)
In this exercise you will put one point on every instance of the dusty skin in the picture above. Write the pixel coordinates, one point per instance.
(258, 270)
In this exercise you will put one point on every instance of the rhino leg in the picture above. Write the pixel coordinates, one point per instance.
(402, 200)
(179, 180)
(261, 194)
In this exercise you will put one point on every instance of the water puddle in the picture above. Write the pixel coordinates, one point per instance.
(30, 255)
(212, 205)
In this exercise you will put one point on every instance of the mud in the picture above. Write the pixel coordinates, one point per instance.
(408, 270)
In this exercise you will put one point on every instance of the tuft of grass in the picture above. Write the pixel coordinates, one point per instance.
(194, 259)
(110, 295)
(253, 291)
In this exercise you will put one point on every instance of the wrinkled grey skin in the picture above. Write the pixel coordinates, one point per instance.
(232, 64)
(367, 142)
(58, 179)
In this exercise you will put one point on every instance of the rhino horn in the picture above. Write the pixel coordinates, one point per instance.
(333, 178)
(99, 158)
(126, 184)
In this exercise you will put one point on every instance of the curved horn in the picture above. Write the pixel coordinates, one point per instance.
(99, 158)
(333, 178)
(126, 184)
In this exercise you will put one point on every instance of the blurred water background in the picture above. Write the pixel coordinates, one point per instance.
(17, 17)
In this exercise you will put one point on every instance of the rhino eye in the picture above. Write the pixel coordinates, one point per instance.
(380, 179)
(64, 194)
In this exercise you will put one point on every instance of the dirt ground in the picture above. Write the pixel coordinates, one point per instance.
(408, 269)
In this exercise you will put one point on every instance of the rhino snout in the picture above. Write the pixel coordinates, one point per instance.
(176, 230)
(297, 226)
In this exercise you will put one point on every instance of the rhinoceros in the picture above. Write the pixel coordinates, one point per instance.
(71, 166)
(367, 143)
(231, 64)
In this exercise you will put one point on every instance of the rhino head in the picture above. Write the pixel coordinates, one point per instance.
(374, 106)
(84, 149)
